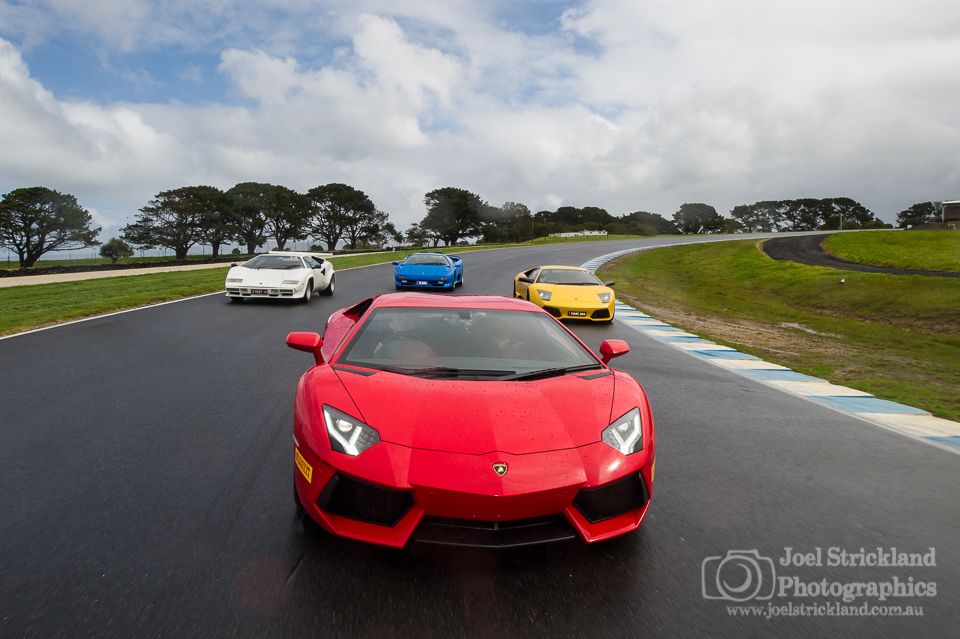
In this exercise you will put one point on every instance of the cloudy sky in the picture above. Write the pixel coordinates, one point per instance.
(624, 104)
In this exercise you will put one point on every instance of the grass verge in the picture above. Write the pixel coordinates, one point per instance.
(26, 307)
(930, 250)
(896, 337)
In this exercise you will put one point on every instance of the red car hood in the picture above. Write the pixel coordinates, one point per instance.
(477, 417)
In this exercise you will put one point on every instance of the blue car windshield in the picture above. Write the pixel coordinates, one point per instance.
(458, 343)
(426, 259)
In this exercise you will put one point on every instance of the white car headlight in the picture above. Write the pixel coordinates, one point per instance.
(544, 295)
(291, 281)
(348, 434)
(604, 297)
(625, 434)
(234, 280)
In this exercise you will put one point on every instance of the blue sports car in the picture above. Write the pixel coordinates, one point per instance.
(429, 270)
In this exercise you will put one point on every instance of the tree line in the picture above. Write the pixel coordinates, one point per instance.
(251, 212)
(455, 213)
(37, 220)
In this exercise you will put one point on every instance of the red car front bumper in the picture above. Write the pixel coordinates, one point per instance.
(384, 495)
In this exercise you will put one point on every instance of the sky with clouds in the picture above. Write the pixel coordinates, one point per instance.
(623, 104)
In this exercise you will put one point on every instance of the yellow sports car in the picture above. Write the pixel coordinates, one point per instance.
(566, 292)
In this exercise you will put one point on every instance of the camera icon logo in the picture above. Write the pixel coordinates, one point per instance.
(740, 576)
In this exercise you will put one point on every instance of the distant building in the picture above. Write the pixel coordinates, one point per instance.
(579, 233)
(951, 214)
(949, 218)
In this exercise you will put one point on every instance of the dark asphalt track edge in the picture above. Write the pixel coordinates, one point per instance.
(808, 249)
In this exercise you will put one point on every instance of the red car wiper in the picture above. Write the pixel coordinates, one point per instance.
(551, 372)
(444, 371)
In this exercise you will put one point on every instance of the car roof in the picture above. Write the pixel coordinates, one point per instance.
(433, 300)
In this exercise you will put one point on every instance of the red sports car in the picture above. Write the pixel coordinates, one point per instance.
(467, 420)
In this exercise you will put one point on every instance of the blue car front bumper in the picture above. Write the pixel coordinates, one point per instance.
(423, 282)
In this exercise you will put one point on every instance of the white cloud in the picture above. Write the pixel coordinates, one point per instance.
(192, 73)
(621, 104)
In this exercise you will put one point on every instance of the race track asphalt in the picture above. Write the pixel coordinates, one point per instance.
(808, 249)
(146, 462)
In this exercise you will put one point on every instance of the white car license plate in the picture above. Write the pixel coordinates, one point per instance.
(422, 283)
(259, 291)
(577, 313)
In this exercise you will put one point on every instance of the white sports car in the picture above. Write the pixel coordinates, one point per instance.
(281, 275)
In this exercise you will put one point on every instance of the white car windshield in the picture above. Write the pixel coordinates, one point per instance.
(457, 343)
(278, 262)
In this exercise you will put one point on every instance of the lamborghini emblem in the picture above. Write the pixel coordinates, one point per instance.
(500, 468)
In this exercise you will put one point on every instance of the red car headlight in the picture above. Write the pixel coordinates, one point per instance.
(625, 434)
(348, 434)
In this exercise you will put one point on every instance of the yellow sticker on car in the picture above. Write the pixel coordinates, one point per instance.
(303, 465)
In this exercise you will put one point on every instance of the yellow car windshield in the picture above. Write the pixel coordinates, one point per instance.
(567, 276)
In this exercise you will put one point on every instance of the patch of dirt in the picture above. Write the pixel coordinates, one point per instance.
(791, 345)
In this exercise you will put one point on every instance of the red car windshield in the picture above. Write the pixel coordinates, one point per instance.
(465, 343)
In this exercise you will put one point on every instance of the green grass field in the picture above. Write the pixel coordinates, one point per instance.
(930, 250)
(25, 307)
(896, 337)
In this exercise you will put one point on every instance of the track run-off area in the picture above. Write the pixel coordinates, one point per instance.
(146, 461)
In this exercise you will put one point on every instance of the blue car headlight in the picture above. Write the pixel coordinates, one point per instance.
(625, 434)
(348, 434)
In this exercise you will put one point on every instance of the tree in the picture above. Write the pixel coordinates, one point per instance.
(698, 218)
(570, 218)
(760, 217)
(844, 213)
(335, 208)
(453, 214)
(287, 215)
(806, 214)
(636, 220)
(115, 248)
(36, 220)
(920, 213)
(247, 204)
(173, 220)
(385, 234)
(732, 226)
(365, 227)
(216, 225)
(416, 236)
(510, 222)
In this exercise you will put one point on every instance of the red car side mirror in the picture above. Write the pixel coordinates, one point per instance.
(306, 342)
(611, 348)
